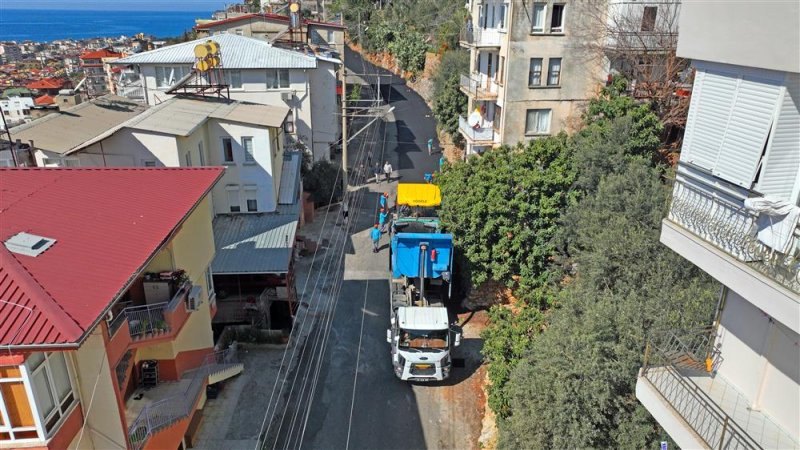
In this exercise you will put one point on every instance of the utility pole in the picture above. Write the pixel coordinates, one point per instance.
(11, 145)
(344, 126)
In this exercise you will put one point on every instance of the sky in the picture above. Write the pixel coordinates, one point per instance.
(117, 5)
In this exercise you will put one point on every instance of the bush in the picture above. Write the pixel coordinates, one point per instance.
(409, 49)
(324, 181)
(448, 100)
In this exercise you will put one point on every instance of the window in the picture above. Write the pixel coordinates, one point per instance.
(557, 20)
(554, 72)
(16, 416)
(239, 31)
(250, 197)
(649, 18)
(149, 163)
(166, 76)
(52, 387)
(233, 78)
(188, 158)
(537, 121)
(537, 20)
(209, 282)
(249, 156)
(277, 78)
(498, 113)
(252, 204)
(200, 152)
(501, 16)
(233, 198)
(227, 150)
(51, 162)
(535, 72)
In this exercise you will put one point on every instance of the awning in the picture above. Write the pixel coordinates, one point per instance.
(418, 194)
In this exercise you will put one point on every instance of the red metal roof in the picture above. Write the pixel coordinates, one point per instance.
(107, 223)
(267, 16)
(46, 83)
(98, 54)
(44, 100)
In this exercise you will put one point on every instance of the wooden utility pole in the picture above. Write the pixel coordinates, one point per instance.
(344, 126)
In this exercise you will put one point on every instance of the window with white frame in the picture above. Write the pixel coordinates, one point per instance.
(554, 72)
(250, 192)
(277, 78)
(233, 78)
(502, 16)
(51, 162)
(209, 282)
(52, 387)
(17, 422)
(234, 204)
(537, 121)
(249, 156)
(537, 19)
(557, 19)
(535, 72)
(166, 76)
(227, 150)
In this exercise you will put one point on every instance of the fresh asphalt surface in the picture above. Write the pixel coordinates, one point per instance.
(385, 412)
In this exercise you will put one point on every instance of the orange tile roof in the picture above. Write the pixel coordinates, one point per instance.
(44, 100)
(46, 83)
(98, 54)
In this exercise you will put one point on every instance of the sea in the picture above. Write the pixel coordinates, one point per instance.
(42, 25)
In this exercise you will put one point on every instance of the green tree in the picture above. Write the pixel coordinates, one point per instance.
(409, 49)
(448, 100)
(324, 181)
(503, 207)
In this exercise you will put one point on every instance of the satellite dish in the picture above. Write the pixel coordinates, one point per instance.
(474, 119)
(294, 7)
(213, 47)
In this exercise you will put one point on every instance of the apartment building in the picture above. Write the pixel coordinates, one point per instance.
(104, 301)
(534, 66)
(256, 204)
(15, 110)
(734, 214)
(96, 69)
(254, 71)
(10, 52)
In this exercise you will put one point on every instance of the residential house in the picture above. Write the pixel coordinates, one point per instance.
(256, 203)
(10, 52)
(96, 69)
(734, 214)
(534, 66)
(253, 71)
(106, 291)
(16, 110)
(49, 86)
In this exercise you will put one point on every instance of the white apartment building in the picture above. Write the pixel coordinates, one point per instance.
(16, 110)
(534, 66)
(734, 214)
(255, 71)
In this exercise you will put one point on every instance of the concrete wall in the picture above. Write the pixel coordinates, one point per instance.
(760, 358)
(756, 34)
(324, 109)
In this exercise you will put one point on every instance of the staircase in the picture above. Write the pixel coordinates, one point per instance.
(164, 413)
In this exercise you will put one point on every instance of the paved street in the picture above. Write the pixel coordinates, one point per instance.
(374, 410)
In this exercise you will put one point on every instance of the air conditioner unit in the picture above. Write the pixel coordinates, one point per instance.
(287, 96)
(193, 300)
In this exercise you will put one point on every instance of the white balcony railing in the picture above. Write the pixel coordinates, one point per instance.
(479, 86)
(476, 134)
(716, 214)
(472, 36)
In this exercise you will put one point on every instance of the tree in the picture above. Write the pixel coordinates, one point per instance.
(575, 386)
(448, 100)
(409, 49)
(324, 181)
(502, 210)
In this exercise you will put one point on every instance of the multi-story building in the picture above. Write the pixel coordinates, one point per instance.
(16, 110)
(49, 86)
(10, 52)
(734, 214)
(534, 66)
(95, 66)
(106, 297)
(253, 70)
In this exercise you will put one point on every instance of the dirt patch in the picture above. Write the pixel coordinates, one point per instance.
(488, 294)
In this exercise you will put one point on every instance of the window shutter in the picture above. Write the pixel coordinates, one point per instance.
(710, 107)
(780, 176)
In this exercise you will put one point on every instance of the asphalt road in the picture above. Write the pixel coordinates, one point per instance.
(358, 402)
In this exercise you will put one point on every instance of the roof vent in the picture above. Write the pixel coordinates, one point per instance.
(28, 244)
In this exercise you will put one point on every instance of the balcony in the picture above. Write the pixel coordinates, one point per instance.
(713, 212)
(131, 92)
(485, 134)
(169, 403)
(479, 86)
(697, 407)
(480, 37)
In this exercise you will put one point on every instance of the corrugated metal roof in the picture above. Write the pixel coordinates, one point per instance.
(101, 241)
(69, 129)
(255, 243)
(238, 52)
(290, 178)
(180, 116)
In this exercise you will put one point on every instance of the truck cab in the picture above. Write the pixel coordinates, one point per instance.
(421, 343)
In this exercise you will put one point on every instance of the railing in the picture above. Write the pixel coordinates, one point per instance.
(719, 218)
(699, 411)
(150, 320)
(169, 410)
(480, 37)
(642, 40)
(132, 92)
(475, 134)
(480, 87)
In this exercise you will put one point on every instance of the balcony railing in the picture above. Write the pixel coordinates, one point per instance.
(146, 321)
(479, 134)
(720, 218)
(673, 362)
(132, 92)
(471, 36)
(479, 87)
(169, 410)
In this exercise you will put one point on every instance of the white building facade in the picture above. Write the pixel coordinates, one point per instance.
(16, 110)
(255, 71)
(734, 214)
